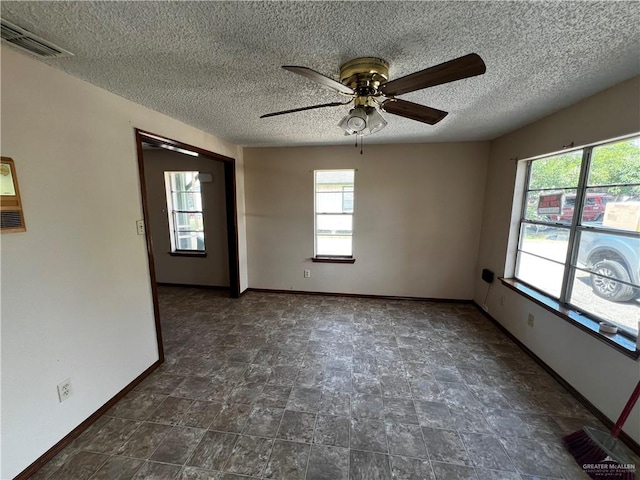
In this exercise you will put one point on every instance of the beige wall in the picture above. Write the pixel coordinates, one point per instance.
(603, 375)
(212, 270)
(416, 221)
(76, 298)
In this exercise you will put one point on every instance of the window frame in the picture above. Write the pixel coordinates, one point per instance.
(330, 258)
(561, 304)
(171, 216)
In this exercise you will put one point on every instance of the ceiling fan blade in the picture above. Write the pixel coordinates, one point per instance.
(301, 109)
(457, 69)
(320, 78)
(413, 111)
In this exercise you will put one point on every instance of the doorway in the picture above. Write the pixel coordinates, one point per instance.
(143, 137)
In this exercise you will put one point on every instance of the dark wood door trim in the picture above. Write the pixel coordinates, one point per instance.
(231, 212)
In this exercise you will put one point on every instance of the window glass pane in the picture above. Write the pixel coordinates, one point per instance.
(190, 240)
(334, 224)
(334, 235)
(550, 206)
(334, 245)
(607, 280)
(187, 201)
(330, 202)
(347, 199)
(613, 256)
(622, 215)
(542, 274)
(548, 242)
(559, 171)
(595, 203)
(192, 222)
(616, 163)
(327, 178)
(184, 181)
(585, 296)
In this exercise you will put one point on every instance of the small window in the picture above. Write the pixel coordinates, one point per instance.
(334, 200)
(184, 208)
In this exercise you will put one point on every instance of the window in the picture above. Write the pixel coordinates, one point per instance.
(184, 208)
(579, 239)
(334, 190)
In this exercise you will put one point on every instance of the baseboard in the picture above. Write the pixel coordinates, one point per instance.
(188, 285)
(359, 295)
(630, 442)
(53, 451)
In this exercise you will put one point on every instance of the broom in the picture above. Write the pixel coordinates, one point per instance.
(591, 446)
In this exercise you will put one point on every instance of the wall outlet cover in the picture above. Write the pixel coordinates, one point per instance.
(64, 390)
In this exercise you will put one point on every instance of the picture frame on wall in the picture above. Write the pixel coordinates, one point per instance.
(11, 213)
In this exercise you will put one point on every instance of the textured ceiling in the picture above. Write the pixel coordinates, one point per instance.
(216, 65)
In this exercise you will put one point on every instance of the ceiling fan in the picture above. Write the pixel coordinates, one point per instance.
(366, 79)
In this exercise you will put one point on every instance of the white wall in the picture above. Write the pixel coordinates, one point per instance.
(416, 221)
(76, 299)
(212, 270)
(603, 375)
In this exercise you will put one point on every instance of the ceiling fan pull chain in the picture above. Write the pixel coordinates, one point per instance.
(361, 138)
(356, 145)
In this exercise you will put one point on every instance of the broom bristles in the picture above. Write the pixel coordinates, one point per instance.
(583, 448)
(587, 451)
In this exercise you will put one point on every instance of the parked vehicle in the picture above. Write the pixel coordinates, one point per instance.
(593, 210)
(613, 256)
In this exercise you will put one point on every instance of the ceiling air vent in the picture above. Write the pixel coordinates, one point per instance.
(27, 41)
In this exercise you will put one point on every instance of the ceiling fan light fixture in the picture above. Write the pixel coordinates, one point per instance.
(375, 121)
(344, 125)
(362, 121)
(357, 120)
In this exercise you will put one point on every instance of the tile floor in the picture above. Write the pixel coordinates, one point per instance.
(295, 387)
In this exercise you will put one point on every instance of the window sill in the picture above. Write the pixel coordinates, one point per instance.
(329, 259)
(186, 253)
(618, 341)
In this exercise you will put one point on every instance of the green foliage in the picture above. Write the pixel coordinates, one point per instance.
(558, 172)
(611, 164)
(616, 163)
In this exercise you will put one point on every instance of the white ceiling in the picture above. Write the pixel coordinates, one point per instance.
(216, 65)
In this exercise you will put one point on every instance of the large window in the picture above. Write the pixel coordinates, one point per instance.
(184, 208)
(334, 213)
(579, 238)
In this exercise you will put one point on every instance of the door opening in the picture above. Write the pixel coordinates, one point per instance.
(228, 163)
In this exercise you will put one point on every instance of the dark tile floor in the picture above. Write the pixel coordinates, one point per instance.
(295, 387)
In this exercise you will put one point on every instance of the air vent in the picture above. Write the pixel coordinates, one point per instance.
(11, 220)
(27, 41)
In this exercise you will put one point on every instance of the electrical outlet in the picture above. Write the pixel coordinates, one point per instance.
(64, 390)
(140, 226)
(307, 274)
(530, 320)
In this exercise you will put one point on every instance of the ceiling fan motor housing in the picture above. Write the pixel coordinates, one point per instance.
(364, 75)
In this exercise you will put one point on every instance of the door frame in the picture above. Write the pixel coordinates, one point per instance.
(231, 209)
